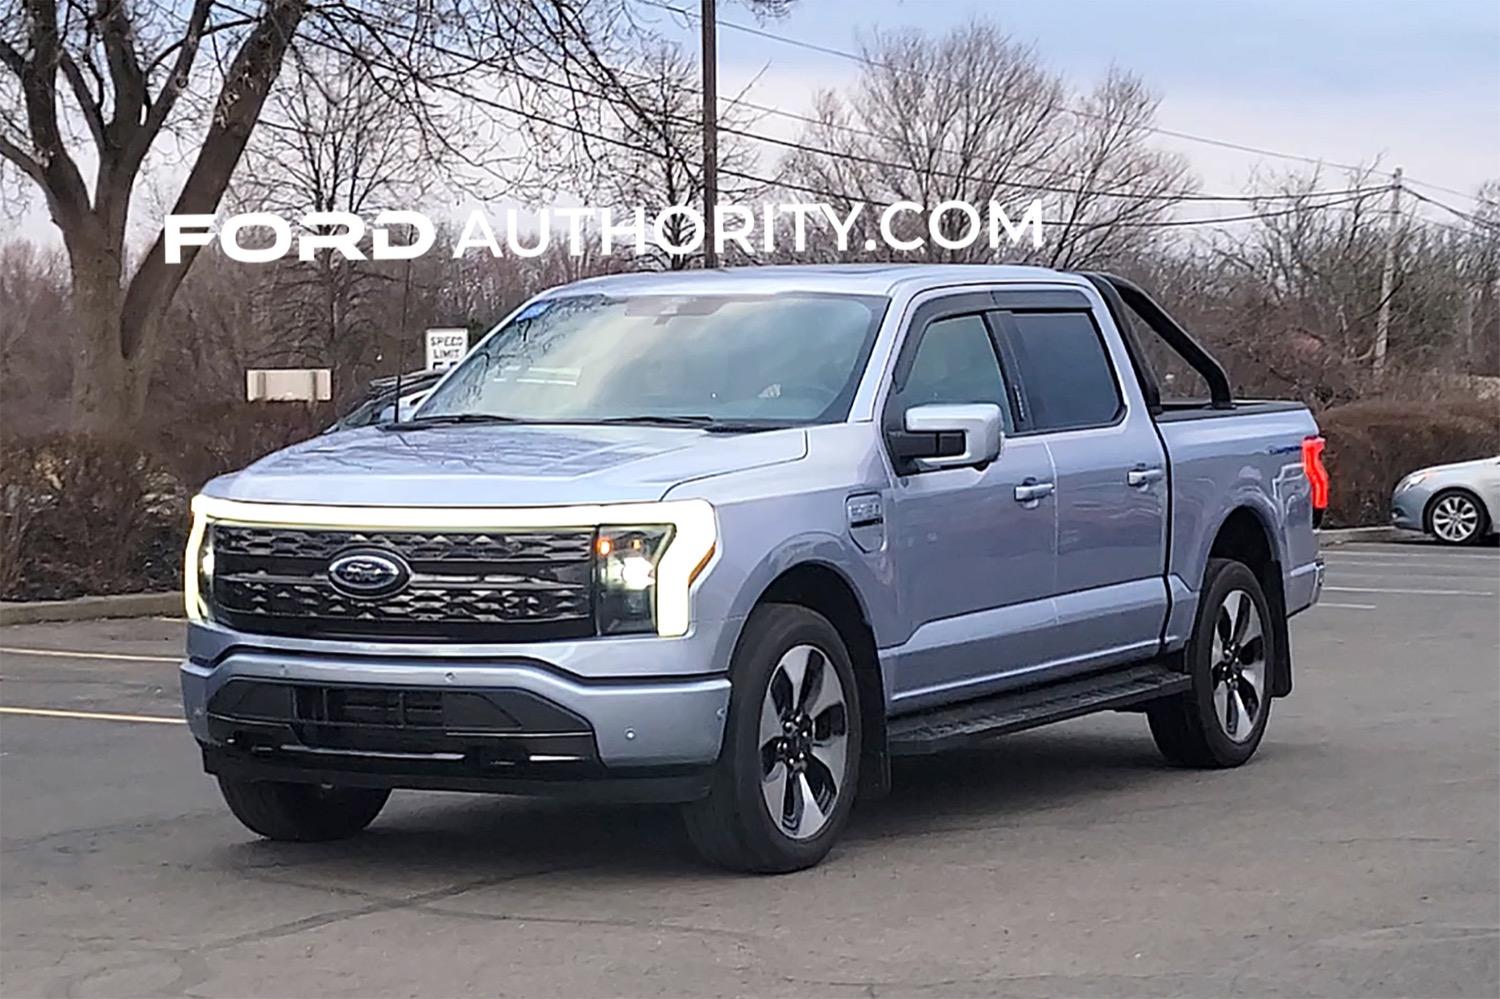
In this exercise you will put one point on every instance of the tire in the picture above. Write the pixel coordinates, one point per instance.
(1205, 726)
(799, 748)
(1456, 517)
(302, 813)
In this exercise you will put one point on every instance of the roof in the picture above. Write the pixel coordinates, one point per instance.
(864, 279)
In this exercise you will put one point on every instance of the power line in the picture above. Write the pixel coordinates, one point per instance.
(573, 88)
(855, 130)
(1141, 126)
(1357, 194)
(1169, 197)
(1477, 198)
(1471, 219)
(1077, 112)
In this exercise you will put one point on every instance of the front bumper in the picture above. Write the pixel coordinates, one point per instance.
(1408, 509)
(504, 723)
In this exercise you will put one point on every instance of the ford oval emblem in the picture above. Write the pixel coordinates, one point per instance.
(369, 574)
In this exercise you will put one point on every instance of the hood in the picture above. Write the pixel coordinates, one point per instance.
(501, 465)
(1461, 466)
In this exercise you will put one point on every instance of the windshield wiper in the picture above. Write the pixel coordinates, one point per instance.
(449, 420)
(705, 423)
(658, 420)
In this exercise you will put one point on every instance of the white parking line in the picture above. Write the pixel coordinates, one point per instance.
(1350, 572)
(92, 715)
(1327, 603)
(1389, 570)
(64, 654)
(1425, 593)
(1397, 553)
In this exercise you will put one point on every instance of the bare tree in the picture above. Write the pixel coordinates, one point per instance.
(974, 116)
(1117, 186)
(1480, 266)
(125, 93)
(35, 329)
(333, 139)
(111, 81)
(657, 157)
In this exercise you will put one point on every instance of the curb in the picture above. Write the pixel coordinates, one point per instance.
(1366, 535)
(91, 608)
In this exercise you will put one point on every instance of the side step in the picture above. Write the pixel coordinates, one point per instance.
(958, 725)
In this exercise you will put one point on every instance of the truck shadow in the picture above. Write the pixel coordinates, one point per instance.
(1019, 780)
(1011, 782)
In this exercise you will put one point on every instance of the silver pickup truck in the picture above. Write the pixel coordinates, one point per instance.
(735, 539)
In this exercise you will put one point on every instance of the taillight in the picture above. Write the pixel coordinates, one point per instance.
(1317, 475)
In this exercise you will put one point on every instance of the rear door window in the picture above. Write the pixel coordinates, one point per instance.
(1064, 371)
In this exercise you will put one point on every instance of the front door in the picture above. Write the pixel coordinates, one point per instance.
(973, 555)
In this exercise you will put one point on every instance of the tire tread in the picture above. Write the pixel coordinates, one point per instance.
(1183, 734)
(726, 827)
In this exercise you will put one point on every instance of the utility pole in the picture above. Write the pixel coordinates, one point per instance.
(708, 17)
(1388, 274)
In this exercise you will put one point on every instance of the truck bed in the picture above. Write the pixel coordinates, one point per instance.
(1219, 459)
(1177, 410)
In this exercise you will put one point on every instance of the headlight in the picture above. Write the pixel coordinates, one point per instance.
(206, 568)
(1411, 480)
(198, 569)
(625, 564)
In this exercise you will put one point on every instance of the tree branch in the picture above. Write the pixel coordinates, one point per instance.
(251, 74)
(87, 102)
(178, 79)
(67, 197)
(18, 156)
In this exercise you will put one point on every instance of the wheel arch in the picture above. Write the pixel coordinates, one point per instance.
(1486, 525)
(1246, 535)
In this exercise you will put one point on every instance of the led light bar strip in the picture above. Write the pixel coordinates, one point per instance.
(688, 557)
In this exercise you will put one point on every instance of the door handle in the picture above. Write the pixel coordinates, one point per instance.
(1030, 492)
(1144, 476)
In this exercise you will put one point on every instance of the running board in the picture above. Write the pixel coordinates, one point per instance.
(957, 725)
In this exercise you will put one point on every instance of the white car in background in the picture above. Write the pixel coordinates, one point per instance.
(1458, 504)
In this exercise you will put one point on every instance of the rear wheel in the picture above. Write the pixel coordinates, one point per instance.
(1220, 720)
(1455, 517)
(301, 812)
(786, 776)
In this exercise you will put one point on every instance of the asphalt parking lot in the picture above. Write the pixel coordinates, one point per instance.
(1357, 855)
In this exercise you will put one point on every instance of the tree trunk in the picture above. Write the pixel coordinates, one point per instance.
(101, 393)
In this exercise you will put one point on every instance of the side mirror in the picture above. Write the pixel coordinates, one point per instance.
(943, 435)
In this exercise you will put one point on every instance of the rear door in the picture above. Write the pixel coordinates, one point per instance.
(1111, 480)
(974, 557)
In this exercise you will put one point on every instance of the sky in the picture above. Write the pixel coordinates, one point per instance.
(1410, 83)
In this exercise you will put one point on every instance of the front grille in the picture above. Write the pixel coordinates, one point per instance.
(474, 586)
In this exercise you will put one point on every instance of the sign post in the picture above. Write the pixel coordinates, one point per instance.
(446, 346)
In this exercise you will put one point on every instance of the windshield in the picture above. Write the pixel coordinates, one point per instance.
(784, 359)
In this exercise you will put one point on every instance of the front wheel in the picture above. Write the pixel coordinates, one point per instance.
(1455, 518)
(1220, 720)
(304, 813)
(789, 766)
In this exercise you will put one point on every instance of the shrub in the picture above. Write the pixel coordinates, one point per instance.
(226, 437)
(84, 515)
(1372, 444)
(87, 515)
